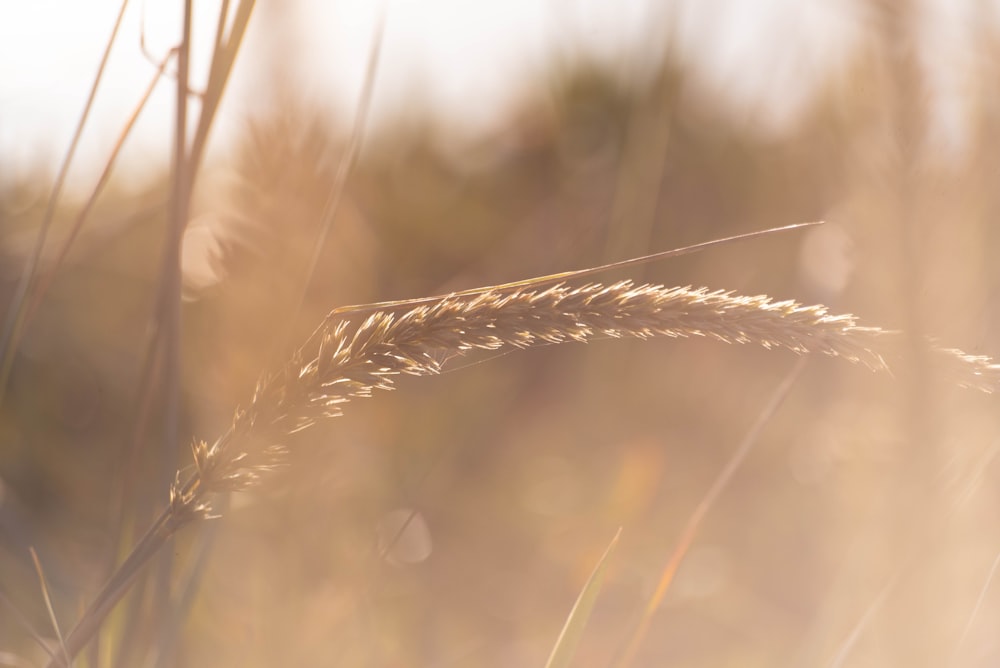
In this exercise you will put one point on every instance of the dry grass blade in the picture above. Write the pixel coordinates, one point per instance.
(48, 605)
(960, 645)
(47, 279)
(116, 587)
(576, 622)
(694, 522)
(565, 276)
(25, 624)
(852, 638)
(227, 46)
(16, 312)
(169, 309)
(347, 162)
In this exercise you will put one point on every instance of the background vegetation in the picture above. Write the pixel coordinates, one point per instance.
(869, 503)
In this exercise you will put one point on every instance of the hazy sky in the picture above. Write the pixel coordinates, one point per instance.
(467, 58)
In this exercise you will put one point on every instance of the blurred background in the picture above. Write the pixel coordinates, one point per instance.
(454, 521)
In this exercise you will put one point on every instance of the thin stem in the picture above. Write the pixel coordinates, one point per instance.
(112, 592)
(25, 624)
(223, 57)
(866, 618)
(551, 279)
(170, 318)
(975, 612)
(48, 602)
(694, 521)
(222, 64)
(15, 315)
(47, 279)
(350, 156)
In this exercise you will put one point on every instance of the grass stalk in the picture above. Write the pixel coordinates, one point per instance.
(116, 587)
(851, 641)
(45, 282)
(342, 361)
(23, 622)
(572, 631)
(967, 627)
(227, 47)
(48, 604)
(347, 161)
(14, 322)
(690, 530)
(170, 304)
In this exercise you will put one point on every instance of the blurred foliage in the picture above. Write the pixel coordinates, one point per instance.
(520, 467)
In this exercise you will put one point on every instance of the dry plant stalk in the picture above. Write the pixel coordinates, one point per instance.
(345, 362)
(341, 362)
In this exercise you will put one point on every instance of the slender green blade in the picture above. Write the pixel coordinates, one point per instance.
(572, 631)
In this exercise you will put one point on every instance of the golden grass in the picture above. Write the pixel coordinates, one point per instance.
(342, 362)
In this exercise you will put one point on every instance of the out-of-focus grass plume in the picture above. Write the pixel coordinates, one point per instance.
(454, 521)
